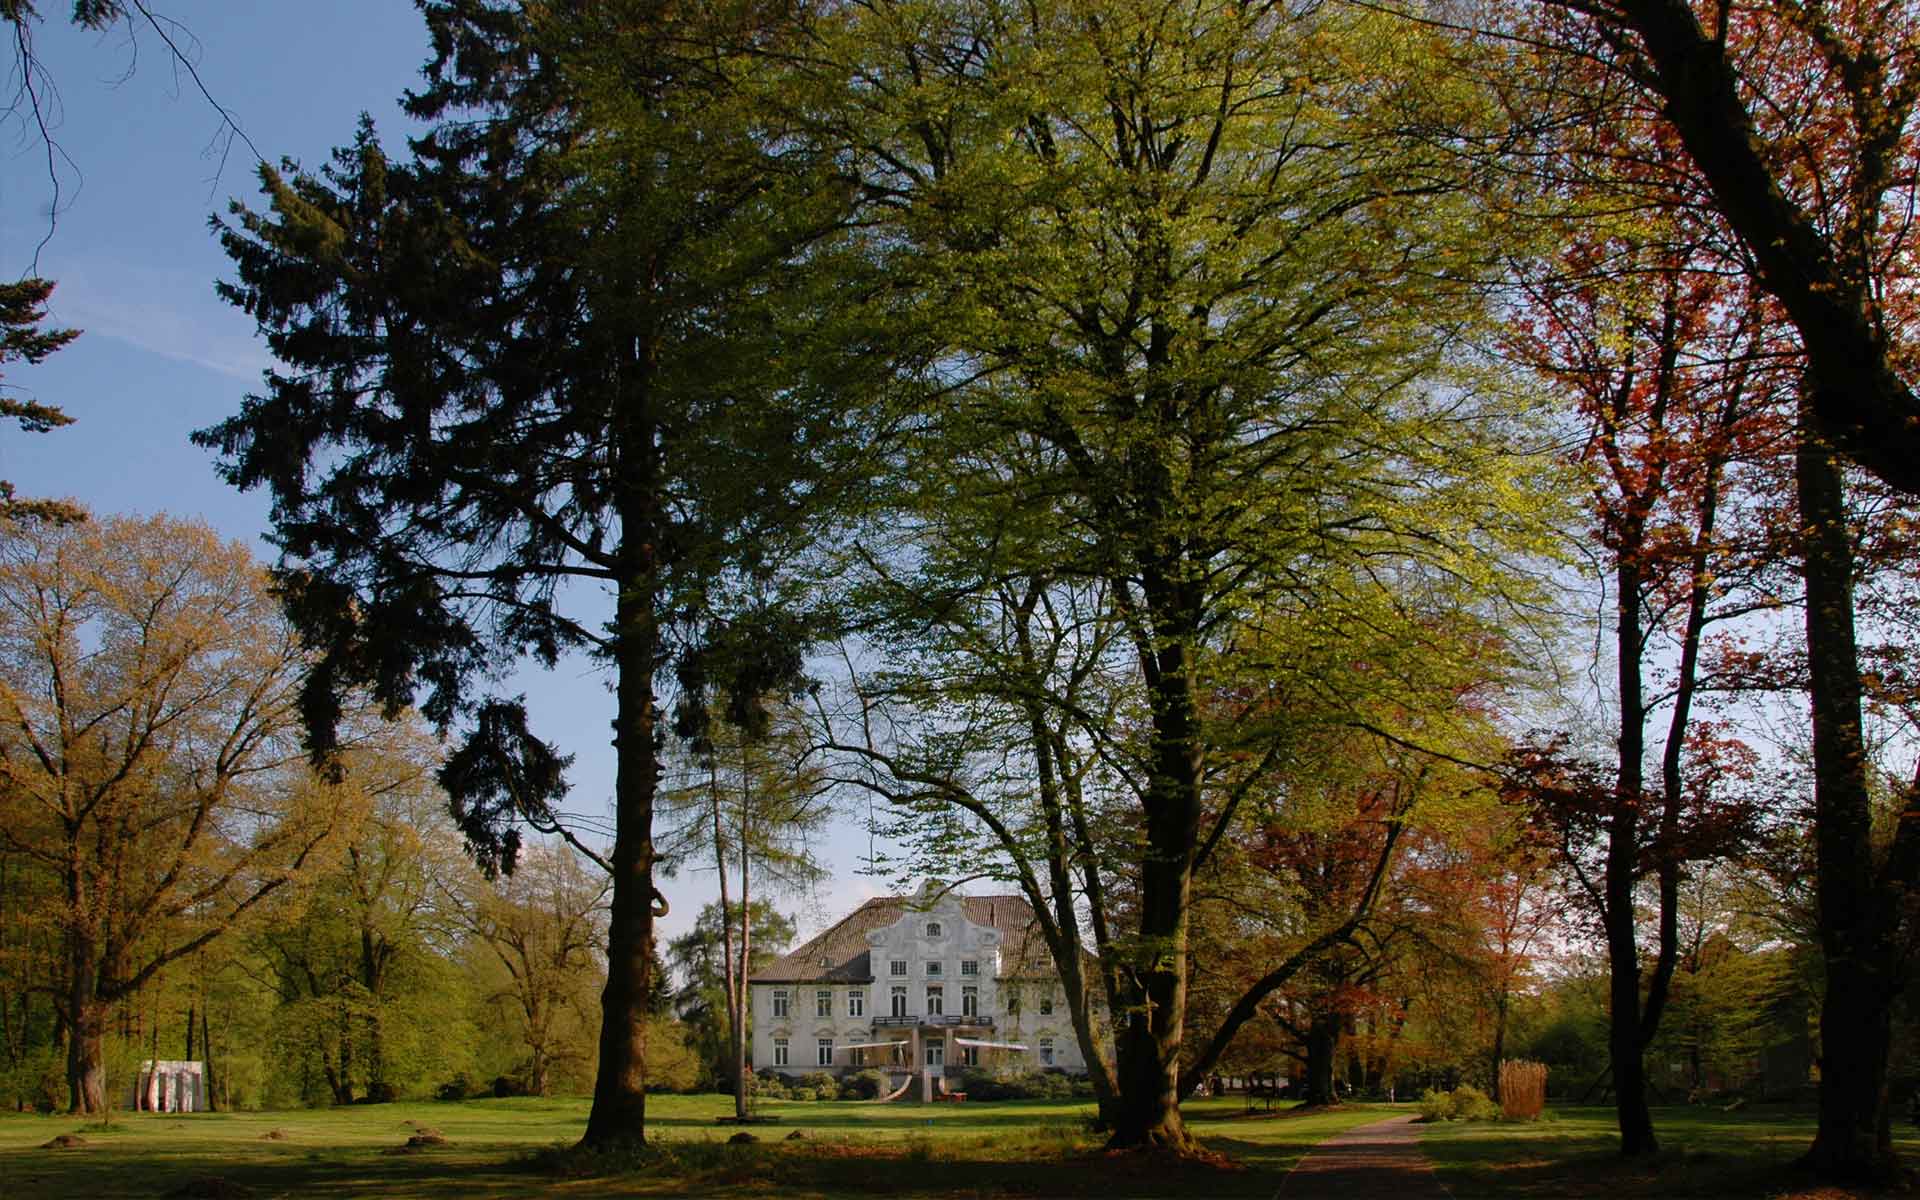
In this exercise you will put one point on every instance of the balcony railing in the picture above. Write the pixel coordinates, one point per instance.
(937, 1020)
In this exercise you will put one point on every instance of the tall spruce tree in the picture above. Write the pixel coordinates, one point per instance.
(539, 368)
(22, 308)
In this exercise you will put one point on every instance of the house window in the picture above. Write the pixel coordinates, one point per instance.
(897, 966)
(900, 1001)
(969, 1056)
(857, 1003)
(823, 1003)
(936, 1053)
(1046, 1004)
(1013, 1002)
(779, 1002)
(825, 1057)
(969, 1001)
(933, 967)
(1046, 1052)
(936, 1000)
(779, 1052)
(933, 929)
(969, 966)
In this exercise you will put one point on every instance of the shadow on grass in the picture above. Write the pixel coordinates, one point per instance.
(1705, 1153)
(912, 1167)
(522, 1149)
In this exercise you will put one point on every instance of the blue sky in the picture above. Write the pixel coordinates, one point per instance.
(160, 356)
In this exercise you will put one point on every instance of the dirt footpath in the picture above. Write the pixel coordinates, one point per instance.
(1381, 1161)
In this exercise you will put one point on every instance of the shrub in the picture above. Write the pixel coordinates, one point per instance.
(509, 1085)
(1041, 1085)
(1472, 1104)
(1464, 1103)
(459, 1087)
(1436, 1105)
(1523, 1089)
(866, 1085)
(820, 1081)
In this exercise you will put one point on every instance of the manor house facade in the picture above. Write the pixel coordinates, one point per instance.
(937, 981)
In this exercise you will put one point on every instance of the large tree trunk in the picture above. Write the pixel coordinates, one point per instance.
(1623, 825)
(619, 1111)
(1323, 1038)
(1499, 1052)
(86, 1054)
(206, 1049)
(1147, 1037)
(1858, 925)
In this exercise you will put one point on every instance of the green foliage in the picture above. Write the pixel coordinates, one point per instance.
(1036, 1085)
(1436, 1105)
(1464, 1103)
(22, 308)
(672, 1065)
(1472, 1104)
(701, 1001)
(1205, 457)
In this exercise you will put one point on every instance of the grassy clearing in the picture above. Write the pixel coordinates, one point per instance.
(517, 1148)
(1575, 1153)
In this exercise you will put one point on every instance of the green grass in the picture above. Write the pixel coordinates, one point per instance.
(1575, 1153)
(516, 1148)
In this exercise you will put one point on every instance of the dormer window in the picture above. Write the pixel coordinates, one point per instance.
(933, 929)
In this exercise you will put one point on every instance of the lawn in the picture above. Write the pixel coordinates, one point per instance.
(1704, 1152)
(508, 1148)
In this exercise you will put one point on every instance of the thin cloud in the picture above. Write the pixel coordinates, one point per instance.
(166, 312)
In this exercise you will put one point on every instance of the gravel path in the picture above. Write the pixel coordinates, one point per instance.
(1381, 1161)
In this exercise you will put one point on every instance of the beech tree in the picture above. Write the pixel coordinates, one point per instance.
(1200, 360)
(149, 755)
(1678, 403)
(357, 955)
(1823, 206)
(547, 357)
(544, 925)
(1798, 121)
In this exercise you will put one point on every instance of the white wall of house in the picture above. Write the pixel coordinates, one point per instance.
(932, 963)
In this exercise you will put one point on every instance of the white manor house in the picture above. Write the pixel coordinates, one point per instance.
(934, 982)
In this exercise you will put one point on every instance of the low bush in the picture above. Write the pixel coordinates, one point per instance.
(1041, 1085)
(460, 1087)
(1436, 1105)
(1464, 1103)
(818, 1081)
(1472, 1104)
(865, 1085)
